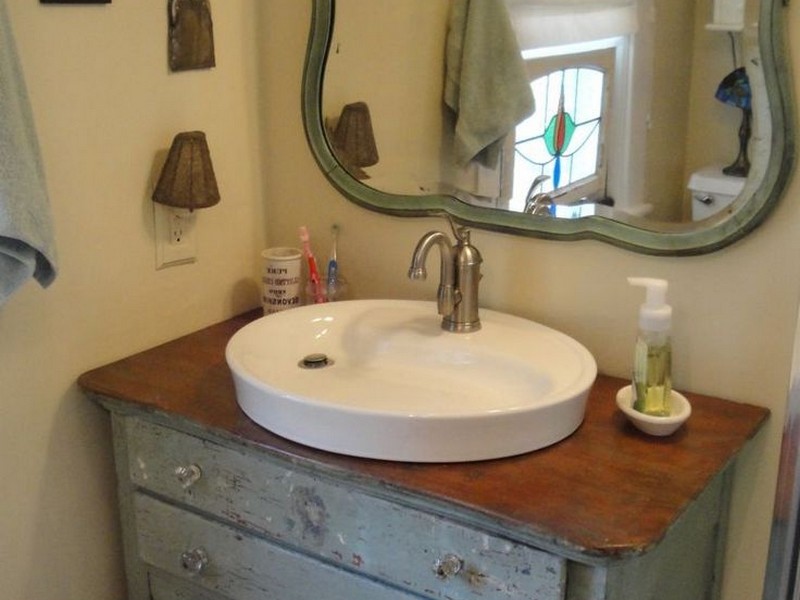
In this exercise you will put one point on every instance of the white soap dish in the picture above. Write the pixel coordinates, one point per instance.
(660, 426)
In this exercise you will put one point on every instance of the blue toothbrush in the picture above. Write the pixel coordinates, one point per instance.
(333, 265)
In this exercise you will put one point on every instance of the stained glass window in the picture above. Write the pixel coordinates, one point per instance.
(563, 138)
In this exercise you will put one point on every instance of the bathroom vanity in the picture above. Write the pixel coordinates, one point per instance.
(214, 507)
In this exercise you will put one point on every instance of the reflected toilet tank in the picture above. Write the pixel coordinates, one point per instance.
(712, 191)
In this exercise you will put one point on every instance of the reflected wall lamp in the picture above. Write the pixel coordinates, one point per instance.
(354, 140)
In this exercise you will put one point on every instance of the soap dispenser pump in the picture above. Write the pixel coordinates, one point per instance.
(652, 362)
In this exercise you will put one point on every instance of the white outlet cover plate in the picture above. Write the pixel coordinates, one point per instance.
(176, 236)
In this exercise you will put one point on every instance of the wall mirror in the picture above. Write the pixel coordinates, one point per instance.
(667, 124)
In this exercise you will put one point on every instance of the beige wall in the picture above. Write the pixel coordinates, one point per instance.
(105, 106)
(673, 51)
(410, 147)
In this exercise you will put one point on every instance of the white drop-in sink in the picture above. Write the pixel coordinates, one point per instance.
(398, 387)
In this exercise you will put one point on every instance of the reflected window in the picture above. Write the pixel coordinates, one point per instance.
(564, 138)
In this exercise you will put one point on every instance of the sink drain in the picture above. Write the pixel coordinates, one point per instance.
(315, 361)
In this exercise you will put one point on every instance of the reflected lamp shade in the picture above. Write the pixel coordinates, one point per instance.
(354, 140)
(187, 179)
(734, 90)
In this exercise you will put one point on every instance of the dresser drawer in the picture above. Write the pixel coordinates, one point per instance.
(408, 548)
(236, 565)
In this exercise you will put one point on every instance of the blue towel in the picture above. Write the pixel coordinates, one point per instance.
(27, 248)
(486, 85)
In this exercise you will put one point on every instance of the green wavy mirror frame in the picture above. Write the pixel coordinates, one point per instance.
(672, 239)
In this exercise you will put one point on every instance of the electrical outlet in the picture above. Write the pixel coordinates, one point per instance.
(176, 238)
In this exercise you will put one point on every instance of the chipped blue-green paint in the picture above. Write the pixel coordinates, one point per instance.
(291, 530)
(334, 523)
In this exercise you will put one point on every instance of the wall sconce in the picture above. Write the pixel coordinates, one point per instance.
(187, 179)
(354, 141)
(186, 182)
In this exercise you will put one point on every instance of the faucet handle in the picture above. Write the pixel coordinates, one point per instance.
(460, 232)
(462, 236)
(538, 180)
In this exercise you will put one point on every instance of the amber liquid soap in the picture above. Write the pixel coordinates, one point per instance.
(652, 376)
(652, 357)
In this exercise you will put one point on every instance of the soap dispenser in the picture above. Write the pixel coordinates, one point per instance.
(652, 362)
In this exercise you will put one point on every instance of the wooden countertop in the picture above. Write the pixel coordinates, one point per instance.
(607, 490)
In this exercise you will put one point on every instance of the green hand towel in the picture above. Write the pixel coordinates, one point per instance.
(486, 85)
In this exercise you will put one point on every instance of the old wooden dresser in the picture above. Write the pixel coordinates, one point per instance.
(215, 507)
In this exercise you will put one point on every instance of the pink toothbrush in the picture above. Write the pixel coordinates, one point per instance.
(313, 272)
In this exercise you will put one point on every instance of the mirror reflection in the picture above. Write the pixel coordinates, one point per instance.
(632, 119)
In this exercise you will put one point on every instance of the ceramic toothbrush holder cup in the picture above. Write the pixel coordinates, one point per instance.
(281, 279)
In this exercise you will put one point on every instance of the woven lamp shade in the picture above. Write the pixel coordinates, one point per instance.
(354, 139)
(187, 179)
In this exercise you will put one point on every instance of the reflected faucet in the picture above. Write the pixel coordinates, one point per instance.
(538, 204)
(460, 275)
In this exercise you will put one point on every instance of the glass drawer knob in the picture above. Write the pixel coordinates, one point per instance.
(448, 566)
(188, 475)
(194, 561)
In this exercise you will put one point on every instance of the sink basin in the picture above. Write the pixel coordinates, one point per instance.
(381, 379)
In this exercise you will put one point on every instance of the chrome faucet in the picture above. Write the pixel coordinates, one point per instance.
(460, 275)
(538, 204)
